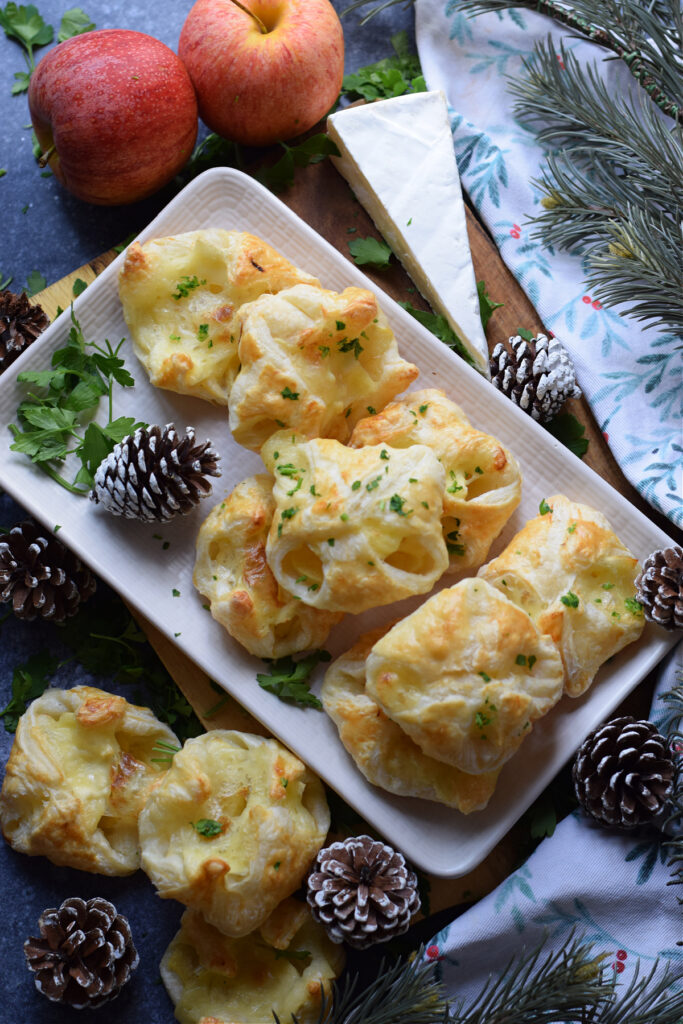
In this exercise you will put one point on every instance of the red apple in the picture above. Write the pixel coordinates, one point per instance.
(116, 112)
(267, 75)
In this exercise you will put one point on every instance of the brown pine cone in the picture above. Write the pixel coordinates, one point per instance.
(155, 475)
(659, 587)
(623, 773)
(536, 375)
(85, 953)
(40, 575)
(362, 892)
(20, 324)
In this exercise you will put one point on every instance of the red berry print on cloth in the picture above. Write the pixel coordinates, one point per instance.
(516, 231)
(432, 953)
(559, 60)
(619, 964)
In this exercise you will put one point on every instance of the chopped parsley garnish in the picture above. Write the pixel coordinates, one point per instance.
(288, 393)
(355, 486)
(185, 286)
(544, 507)
(412, 480)
(176, 593)
(340, 325)
(570, 600)
(455, 486)
(324, 350)
(330, 541)
(350, 345)
(384, 454)
(423, 408)
(371, 409)
(203, 332)
(301, 579)
(374, 483)
(207, 827)
(396, 504)
(299, 481)
(287, 468)
(313, 491)
(344, 516)
(285, 783)
(478, 469)
(174, 337)
(520, 659)
(289, 679)
(607, 586)
(572, 528)
(285, 514)
(485, 677)
(633, 606)
(425, 504)
(453, 544)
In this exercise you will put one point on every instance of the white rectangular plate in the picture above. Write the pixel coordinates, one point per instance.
(127, 554)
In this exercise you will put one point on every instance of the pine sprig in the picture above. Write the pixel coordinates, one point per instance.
(540, 986)
(405, 992)
(613, 188)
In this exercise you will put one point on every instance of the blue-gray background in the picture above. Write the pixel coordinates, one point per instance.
(44, 228)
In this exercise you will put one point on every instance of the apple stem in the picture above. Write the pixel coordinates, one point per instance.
(44, 157)
(264, 30)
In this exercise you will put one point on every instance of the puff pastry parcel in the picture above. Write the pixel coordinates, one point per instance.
(77, 778)
(244, 596)
(269, 816)
(383, 752)
(313, 361)
(354, 529)
(466, 676)
(483, 479)
(211, 977)
(180, 295)
(574, 577)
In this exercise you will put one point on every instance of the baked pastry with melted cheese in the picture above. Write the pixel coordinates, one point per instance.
(383, 752)
(354, 528)
(213, 978)
(273, 819)
(466, 676)
(180, 295)
(483, 479)
(79, 772)
(313, 361)
(231, 571)
(570, 572)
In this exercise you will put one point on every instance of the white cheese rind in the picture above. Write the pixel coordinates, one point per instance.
(397, 155)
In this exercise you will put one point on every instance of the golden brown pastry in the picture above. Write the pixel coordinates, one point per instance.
(383, 752)
(213, 978)
(483, 479)
(268, 818)
(232, 573)
(574, 577)
(465, 675)
(354, 529)
(313, 361)
(78, 775)
(180, 295)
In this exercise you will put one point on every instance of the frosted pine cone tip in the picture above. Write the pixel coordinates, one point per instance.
(537, 375)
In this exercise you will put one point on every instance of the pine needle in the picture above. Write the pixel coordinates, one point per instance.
(673, 727)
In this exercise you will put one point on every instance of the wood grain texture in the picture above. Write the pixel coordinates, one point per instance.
(323, 199)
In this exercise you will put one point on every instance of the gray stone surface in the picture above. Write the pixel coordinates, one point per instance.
(46, 229)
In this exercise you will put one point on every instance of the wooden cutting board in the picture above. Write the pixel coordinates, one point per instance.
(323, 199)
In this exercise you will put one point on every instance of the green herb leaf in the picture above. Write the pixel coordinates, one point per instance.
(281, 175)
(29, 681)
(79, 287)
(288, 393)
(634, 606)
(570, 600)
(396, 503)
(544, 507)
(392, 76)
(440, 328)
(207, 827)
(567, 429)
(289, 679)
(22, 80)
(524, 333)
(35, 282)
(370, 252)
(487, 306)
(74, 23)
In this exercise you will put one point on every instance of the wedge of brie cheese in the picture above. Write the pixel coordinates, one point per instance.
(397, 155)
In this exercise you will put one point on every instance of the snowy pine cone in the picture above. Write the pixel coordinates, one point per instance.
(538, 375)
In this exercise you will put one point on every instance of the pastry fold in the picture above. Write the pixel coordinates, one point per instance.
(354, 528)
(231, 571)
(466, 676)
(213, 978)
(383, 752)
(483, 479)
(79, 772)
(180, 295)
(267, 816)
(570, 572)
(313, 361)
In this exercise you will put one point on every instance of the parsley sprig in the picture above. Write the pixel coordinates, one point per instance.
(50, 417)
(289, 679)
(26, 25)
